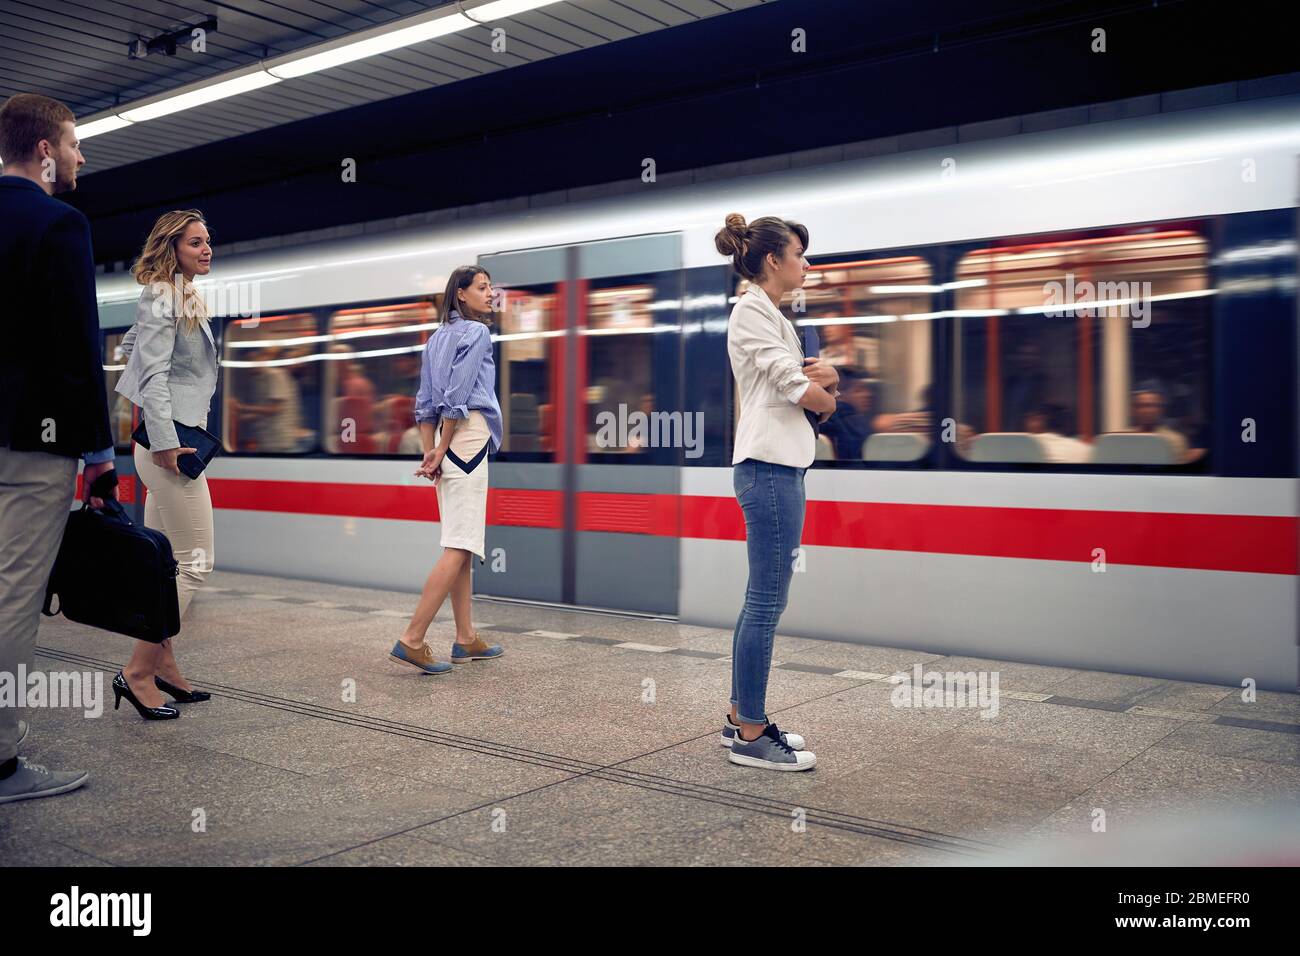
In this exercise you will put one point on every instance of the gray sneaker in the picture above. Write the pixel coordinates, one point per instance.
(793, 741)
(22, 731)
(31, 780)
(770, 752)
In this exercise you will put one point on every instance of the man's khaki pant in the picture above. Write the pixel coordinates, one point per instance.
(36, 490)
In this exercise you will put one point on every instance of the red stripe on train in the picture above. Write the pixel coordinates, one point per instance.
(1258, 544)
(1249, 543)
(506, 506)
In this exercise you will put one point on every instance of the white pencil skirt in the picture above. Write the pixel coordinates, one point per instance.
(463, 487)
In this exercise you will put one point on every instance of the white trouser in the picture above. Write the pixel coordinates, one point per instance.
(180, 508)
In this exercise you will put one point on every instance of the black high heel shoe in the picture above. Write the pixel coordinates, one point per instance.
(182, 696)
(122, 689)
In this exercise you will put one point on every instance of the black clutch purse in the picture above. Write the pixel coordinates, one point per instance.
(205, 443)
(812, 345)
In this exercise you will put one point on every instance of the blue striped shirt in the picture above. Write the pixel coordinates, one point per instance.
(457, 374)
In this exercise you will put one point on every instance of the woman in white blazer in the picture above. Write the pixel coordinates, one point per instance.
(171, 373)
(775, 444)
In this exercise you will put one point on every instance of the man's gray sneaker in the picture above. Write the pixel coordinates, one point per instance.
(793, 741)
(22, 731)
(31, 780)
(770, 752)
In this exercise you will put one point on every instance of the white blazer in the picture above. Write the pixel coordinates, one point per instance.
(767, 361)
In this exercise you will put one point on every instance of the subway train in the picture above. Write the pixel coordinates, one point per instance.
(1066, 431)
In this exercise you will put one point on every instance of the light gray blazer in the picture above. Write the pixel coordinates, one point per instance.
(171, 375)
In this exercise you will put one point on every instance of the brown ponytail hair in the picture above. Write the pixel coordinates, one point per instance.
(749, 245)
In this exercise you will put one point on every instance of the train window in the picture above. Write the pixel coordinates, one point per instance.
(530, 340)
(371, 373)
(621, 400)
(873, 319)
(121, 412)
(1087, 350)
(271, 383)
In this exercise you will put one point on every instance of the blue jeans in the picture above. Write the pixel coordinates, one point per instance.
(772, 499)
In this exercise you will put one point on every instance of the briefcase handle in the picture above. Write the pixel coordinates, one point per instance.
(100, 488)
(112, 510)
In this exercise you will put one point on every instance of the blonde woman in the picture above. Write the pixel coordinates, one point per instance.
(171, 374)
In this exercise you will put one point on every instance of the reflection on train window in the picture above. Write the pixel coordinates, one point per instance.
(371, 370)
(1085, 351)
(530, 339)
(873, 319)
(121, 411)
(620, 347)
(271, 384)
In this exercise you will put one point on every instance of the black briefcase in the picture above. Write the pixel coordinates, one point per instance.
(115, 575)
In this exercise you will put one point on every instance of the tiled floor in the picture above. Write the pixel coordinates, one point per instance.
(588, 743)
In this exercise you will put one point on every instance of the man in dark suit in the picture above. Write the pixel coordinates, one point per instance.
(53, 404)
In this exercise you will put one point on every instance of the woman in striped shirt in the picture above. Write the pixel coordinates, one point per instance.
(457, 391)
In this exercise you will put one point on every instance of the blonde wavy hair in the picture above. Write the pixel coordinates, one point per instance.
(159, 268)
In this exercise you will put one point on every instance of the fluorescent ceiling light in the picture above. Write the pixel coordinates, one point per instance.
(373, 45)
(323, 56)
(104, 125)
(204, 94)
(506, 8)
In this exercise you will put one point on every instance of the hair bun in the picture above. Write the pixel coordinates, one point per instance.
(733, 236)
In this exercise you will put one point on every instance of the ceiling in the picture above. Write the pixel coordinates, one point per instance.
(690, 83)
(77, 51)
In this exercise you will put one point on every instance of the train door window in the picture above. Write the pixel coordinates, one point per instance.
(629, 414)
(874, 320)
(529, 345)
(1090, 350)
(121, 412)
(371, 373)
(271, 384)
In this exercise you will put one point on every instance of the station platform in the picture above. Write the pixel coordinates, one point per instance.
(595, 740)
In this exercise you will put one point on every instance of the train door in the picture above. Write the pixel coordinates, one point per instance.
(584, 502)
(525, 540)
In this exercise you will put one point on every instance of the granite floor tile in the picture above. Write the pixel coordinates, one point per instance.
(295, 822)
(1244, 742)
(820, 844)
(306, 747)
(317, 749)
(1127, 689)
(581, 821)
(1012, 676)
(1177, 808)
(1267, 705)
(460, 765)
(401, 851)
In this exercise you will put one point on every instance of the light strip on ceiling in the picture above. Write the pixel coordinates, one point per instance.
(369, 43)
(322, 56)
(244, 83)
(105, 125)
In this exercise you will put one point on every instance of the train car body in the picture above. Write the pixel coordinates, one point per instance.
(943, 513)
